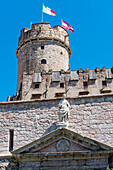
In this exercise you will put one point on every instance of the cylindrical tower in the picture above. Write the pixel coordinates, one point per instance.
(41, 49)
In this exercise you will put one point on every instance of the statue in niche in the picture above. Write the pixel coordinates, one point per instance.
(64, 110)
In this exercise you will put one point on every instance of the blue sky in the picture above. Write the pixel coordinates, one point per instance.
(91, 43)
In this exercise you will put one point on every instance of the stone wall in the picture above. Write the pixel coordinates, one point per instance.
(90, 116)
(51, 45)
(65, 164)
(42, 43)
(44, 30)
(75, 83)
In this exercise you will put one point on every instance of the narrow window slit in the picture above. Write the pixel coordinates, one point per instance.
(11, 139)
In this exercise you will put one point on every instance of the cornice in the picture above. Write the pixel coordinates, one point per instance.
(57, 99)
(63, 155)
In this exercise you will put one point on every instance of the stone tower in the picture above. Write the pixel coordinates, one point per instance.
(43, 67)
(41, 132)
(41, 49)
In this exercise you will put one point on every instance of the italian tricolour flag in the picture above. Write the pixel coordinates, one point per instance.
(48, 10)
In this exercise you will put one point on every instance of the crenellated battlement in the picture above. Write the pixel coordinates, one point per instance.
(32, 134)
(41, 49)
(42, 30)
(43, 67)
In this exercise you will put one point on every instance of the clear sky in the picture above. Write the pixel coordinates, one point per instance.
(91, 43)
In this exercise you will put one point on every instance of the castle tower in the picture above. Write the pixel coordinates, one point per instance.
(41, 49)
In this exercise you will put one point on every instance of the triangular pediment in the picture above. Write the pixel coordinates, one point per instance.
(61, 145)
(62, 140)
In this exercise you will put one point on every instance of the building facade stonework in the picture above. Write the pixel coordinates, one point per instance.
(32, 134)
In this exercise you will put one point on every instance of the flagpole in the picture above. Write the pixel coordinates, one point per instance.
(42, 12)
(31, 25)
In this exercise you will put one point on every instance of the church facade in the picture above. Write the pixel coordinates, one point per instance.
(42, 130)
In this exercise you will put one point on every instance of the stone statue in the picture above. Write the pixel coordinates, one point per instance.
(64, 111)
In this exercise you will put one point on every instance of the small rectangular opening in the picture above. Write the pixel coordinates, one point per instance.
(85, 84)
(84, 93)
(58, 94)
(62, 85)
(36, 96)
(104, 83)
(11, 138)
(105, 91)
(42, 47)
(36, 85)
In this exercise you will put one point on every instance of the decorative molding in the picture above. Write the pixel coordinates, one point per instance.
(63, 134)
(63, 145)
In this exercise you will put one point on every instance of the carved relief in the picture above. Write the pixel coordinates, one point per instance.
(62, 145)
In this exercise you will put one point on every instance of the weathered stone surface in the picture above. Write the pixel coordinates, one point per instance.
(92, 75)
(74, 75)
(65, 164)
(54, 77)
(37, 78)
(55, 52)
(43, 58)
(109, 74)
(50, 84)
(9, 116)
(91, 117)
(73, 147)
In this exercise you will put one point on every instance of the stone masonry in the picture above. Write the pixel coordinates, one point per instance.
(73, 83)
(42, 43)
(29, 132)
(43, 67)
(91, 117)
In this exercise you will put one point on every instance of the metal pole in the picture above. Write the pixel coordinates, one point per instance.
(30, 25)
(42, 12)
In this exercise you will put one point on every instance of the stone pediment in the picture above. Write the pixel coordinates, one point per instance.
(62, 140)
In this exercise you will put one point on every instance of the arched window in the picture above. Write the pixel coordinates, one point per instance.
(43, 61)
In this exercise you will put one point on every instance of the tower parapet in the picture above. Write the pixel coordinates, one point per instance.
(44, 30)
(43, 67)
(41, 49)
